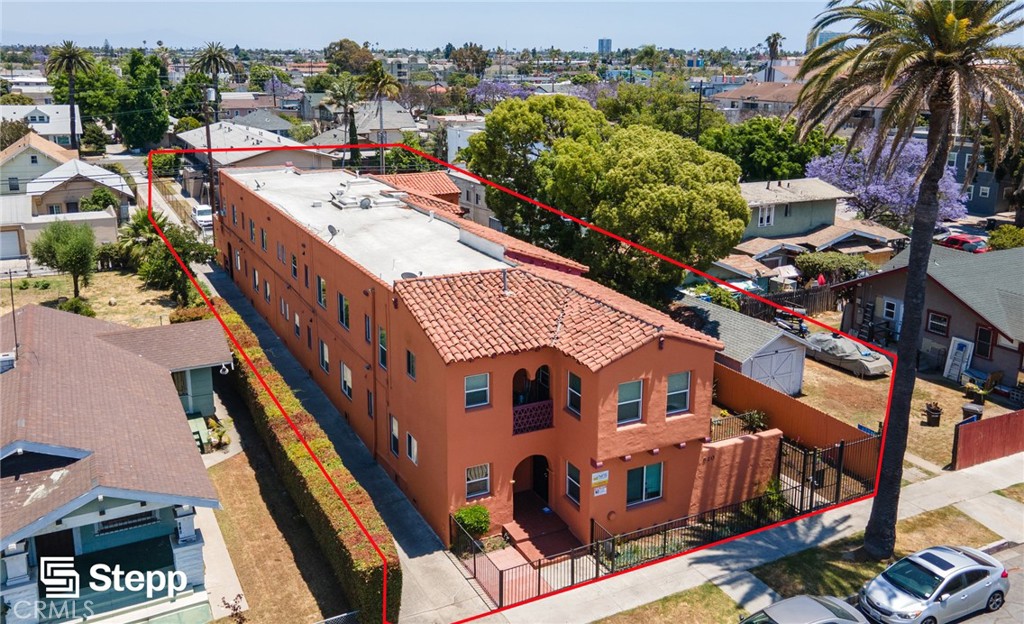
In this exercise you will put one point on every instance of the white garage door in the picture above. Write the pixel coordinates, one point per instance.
(782, 370)
(9, 246)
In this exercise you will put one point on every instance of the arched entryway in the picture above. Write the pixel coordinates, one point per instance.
(532, 479)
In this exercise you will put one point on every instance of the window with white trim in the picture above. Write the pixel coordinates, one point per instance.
(263, 239)
(938, 323)
(678, 393)
(367, 328)
(478, 391)
(12, 183)
(54, 209)
(266, 291)
(889, 308)
(34, 159)
(325, 362)
(478, 480)
(643, 484)
(252, 231)
(295, 266)
(574, 398)
(631, 396)
(382, 347)
(346, 379)
(572, 482)
(412, 450)
(298, 326)
(766, 215)
(255, 280)
(983, 191)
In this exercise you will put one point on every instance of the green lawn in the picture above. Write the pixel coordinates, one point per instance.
(836, 569)
(706, 604)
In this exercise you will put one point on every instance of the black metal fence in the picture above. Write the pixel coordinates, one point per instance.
(812, 478)
(726, 427)
(627, 550)
(549, 574)
(471, 553)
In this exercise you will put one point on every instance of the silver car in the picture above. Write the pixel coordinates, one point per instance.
(806, 610)
(936, 585)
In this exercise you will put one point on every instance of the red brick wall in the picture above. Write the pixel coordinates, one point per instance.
(988, 439)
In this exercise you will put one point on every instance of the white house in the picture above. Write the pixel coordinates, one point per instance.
(52, 122)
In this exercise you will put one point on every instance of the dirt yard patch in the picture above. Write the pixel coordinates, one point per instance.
(136, 306)
(862, 402)
(1016, 492)
(283, 574)
(835, 571)
(705, 603)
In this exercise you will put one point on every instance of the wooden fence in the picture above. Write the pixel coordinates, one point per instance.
(987, 439)
(814, 300)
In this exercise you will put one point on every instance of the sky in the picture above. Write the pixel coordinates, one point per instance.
(424, 25)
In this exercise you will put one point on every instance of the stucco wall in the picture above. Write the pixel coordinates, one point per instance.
(803, 217)
(734, 470)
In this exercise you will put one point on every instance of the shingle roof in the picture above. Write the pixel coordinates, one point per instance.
(72, 389)
(176, 347)
(75, 168)
(227, 134)
(470, 316)
(262, 119)
(745, 266)
(34, 141)
(58, 114)
(396, 117)
(990, 283)
(743, 336)
(435, 183)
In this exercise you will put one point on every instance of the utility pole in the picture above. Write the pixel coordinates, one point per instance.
(210, 95)
(381, 136)
(700, 107)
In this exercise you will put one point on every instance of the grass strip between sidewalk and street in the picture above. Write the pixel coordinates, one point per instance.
(705, 603)
(835, 570)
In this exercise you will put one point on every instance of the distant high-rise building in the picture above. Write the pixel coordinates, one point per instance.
(604, 47)
(824, 36)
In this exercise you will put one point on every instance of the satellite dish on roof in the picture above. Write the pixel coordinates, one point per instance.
(409, 275)
(333, 231)
(365, 203)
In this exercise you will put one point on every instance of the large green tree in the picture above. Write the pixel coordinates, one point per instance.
(768, 148)
(653, 188)
(667, 105)
(16, 99)
(259, 74)
(69, 248)
(346, 55)
(95, 92)
(954, 61)
(99, 199)
(141, 115)
(159, 269)
(517, 132)
(186, 98)
(71, 61)
(471, 58)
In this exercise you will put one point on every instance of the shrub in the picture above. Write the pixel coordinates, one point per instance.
(754, 421)
(834, 265)
(41, 284)
(355, 562)
(476, 519)
(719, 296)
(76, 306)
(1006, 237)
(24, 284)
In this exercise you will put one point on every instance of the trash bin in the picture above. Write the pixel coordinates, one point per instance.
(971, 409)
(933, 414)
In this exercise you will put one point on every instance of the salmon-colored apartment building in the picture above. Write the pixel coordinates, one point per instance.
(476, 367)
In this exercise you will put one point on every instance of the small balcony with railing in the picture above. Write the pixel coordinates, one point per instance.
(532, 408)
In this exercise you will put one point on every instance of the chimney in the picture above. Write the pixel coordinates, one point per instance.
(780, 183)
(504, 282)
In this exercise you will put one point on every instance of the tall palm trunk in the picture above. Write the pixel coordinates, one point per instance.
(216, 97)
(380, 135)
(73, 116)
(880, 535)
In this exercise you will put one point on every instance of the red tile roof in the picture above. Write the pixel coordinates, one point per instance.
(469, 316)
(435, 183)
(427, 202)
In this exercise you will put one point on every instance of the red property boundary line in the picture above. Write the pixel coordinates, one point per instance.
(566, 216)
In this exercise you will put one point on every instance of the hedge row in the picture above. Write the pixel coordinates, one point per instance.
(357, 565)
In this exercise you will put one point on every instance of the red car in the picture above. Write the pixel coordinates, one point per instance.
(966, 242)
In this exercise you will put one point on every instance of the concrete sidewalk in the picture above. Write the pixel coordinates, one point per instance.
(969, 489)
(434, 588)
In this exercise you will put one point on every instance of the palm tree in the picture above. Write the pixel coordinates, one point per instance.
(650, 57)
(135, 237)
(377, 84)
(212, 60)
(70, 60)
(774, 43)
(943, 58)
(342, 95)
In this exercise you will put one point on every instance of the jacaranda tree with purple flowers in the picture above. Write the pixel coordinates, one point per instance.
(489, 93)
(888, 199)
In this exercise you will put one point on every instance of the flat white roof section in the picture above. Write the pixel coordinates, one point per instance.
(381, 233)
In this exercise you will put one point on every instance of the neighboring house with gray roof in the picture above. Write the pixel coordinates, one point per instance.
(757, 349)
(977, 298)
(252, 147)
(97, 460)
(789, 207)
(50, 121)
(396, 120)
(263, 119)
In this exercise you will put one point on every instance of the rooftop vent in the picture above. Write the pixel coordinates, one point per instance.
(6, 361)
(318, 204)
